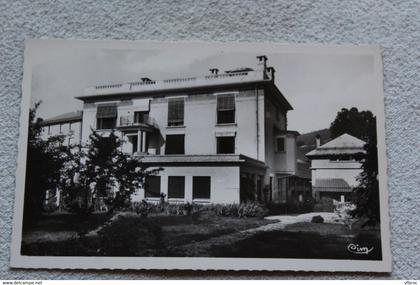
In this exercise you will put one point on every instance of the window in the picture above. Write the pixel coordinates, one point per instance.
(49, 130)
(61, 128)
(174, 144)
(69, 126)
(176, 187)
(225, 145)
(141, 117)
(280, 144)
(201, 187)
(152, 187)
(226, 109)
(106, 117)
(175, 112)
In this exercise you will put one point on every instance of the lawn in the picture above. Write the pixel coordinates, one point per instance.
(197, 235)
(306, 240)
(129, 235)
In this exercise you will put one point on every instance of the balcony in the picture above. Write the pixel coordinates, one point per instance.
(138, 121)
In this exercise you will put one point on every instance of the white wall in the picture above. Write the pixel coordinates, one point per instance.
(72, 135)
(224, 182)
(347, 170)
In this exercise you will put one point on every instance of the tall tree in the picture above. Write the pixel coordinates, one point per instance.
(366, 193)
(353, 122)
(362, 124)
(44, 164)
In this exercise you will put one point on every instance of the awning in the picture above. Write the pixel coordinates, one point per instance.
(141, 105)
(106, 111)
(331, 185)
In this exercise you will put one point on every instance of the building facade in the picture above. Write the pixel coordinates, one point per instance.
(68, 125)
(220, 138)
(335, 167)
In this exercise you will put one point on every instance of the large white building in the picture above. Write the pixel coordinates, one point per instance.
(335, 167)
(220, 138)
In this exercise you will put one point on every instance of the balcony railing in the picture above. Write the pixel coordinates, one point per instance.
(137, 121)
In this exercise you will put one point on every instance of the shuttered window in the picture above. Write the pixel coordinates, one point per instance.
(106, 117)
(201, 187)
(226, 109)
(176, 112)
(176, 187)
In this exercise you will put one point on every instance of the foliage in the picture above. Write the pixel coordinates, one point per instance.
(317, 219)
(352, 122)
(46, 160)
(244, 210)
(366, 194)
(101, 169)
(343, 211)
(251, 209)
(363, 126)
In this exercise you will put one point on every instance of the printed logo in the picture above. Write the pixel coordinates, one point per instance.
(357, 249)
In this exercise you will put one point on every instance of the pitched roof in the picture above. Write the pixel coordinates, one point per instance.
(331, 185)
(344, 144)
(64, 118)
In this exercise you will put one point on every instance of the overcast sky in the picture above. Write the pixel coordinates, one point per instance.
(318, 81)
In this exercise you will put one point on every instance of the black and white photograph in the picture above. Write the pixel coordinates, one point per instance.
(159, 155)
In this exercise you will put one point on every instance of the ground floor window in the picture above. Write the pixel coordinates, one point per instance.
(152, 187)
(176, 187)
(201, 187)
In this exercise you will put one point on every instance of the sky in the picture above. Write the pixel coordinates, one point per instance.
(317, 80)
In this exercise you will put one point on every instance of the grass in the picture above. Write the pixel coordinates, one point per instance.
(197, 235)
(132, 235)
(306, 240)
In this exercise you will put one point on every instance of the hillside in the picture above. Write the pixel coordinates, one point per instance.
(306, 142)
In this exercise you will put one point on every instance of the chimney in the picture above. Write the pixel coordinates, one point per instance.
(262, 64)
(317, 140)
(271, 71)
(214, 71)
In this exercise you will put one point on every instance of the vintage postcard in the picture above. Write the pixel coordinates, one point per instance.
(223, 156)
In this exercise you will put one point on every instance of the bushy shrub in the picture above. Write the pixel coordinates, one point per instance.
(252, 209)
(317, 219)
(244, 210)
(141, 208)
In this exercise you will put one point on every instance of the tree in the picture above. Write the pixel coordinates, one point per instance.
(44, 164)
(352, 122)
(362, 124)
(366, 193)
(104, 168)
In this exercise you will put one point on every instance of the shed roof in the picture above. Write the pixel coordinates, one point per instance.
(342, 145)
(64, 118)
(331, 185)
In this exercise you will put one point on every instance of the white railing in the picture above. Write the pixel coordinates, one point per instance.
(214, 79)
(131, 120)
